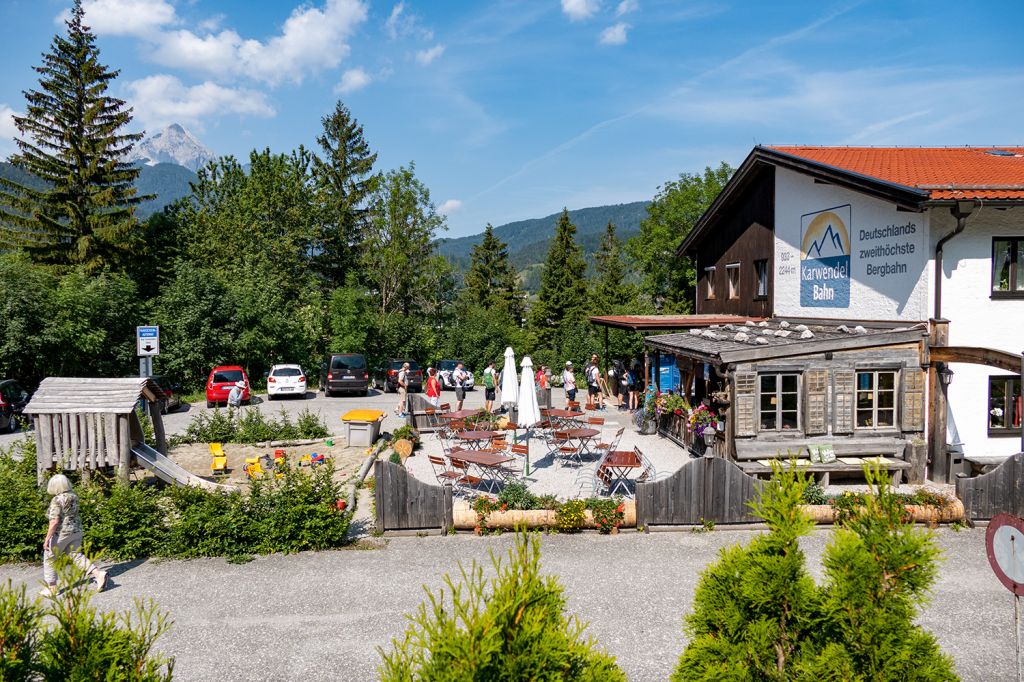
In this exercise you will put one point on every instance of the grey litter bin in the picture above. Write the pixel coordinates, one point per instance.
(362, 427)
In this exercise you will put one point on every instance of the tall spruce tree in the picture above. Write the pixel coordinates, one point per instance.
(345, 181)
(73, 140)
(562, 299)
(612, 291)
(491, 281)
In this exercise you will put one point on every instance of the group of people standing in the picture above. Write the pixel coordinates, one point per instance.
(622, 382)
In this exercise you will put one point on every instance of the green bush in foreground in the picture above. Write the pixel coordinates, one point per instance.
(64, 638)
(251, 426)
(515, 630)
(757, 615)
(293, 513)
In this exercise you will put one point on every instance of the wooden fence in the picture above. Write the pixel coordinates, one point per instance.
(405, 503)
(999, 491)
(708, 489)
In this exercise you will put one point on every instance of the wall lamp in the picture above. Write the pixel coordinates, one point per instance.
(945, 374)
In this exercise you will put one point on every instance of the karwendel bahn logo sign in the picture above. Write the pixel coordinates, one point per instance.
(825, 258)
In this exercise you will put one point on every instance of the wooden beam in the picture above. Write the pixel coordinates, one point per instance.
(124, 446)
(989, 357)
(937, 405)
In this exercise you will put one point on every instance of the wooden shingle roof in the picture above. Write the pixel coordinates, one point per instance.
(77, 395)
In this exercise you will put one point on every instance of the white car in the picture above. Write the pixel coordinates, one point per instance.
(285, 380)
(446, 368)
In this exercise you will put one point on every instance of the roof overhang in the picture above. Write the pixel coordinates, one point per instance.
(908, 198)
(649, 323)
(57, 395)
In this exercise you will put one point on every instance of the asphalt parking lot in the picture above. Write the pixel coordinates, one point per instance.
(321, 616)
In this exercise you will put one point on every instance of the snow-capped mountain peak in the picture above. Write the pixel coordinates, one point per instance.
(173, 144)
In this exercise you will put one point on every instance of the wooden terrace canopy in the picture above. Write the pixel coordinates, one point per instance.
(86, 424)
(650, 323)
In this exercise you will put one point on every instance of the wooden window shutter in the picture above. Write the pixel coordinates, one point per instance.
(844, 381)
(913, 399)
(746, 403)
(816, 401)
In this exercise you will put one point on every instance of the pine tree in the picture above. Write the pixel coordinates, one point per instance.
(562, 299)
(491, 281)
(612, 292)
(345, 180)
(73, 140)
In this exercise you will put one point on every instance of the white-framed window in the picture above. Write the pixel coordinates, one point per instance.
(876, 399)
(732, 271)
(709, 276)
(779, 402)
(761, 273)
(1004, 406)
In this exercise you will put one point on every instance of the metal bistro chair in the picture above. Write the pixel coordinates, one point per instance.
(596, 481)
(467, 482)
(614, 444)
(442, 472)
(647, 471)
(565, 450)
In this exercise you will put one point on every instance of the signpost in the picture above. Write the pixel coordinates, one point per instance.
(1004, 543)
(147, 344)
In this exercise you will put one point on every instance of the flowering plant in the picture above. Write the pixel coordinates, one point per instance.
(701, 418)
(996, 412)
(608, 513)
(483, 506)
(676, 404)
(651, 404)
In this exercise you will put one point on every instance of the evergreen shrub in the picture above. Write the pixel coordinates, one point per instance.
(251, 426)
(757, 614)
(512, 627)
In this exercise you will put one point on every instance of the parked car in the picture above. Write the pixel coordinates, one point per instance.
(445, 369)
(286, 380)
(222, 378)
(172, 401)
(386, 378)
(13, 399)
(345, 372)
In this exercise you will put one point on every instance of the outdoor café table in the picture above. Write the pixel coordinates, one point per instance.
(476, 439)
(564, 417)
(583, 436)
(461, 414)
(488, 463)
(619, 464)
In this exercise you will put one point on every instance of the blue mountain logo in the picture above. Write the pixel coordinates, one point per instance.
(830, 244)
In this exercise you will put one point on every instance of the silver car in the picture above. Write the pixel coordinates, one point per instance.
(445, 369)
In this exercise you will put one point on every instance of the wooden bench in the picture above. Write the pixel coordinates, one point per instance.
(850, 456)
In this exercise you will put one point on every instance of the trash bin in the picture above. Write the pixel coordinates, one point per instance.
(362, 427)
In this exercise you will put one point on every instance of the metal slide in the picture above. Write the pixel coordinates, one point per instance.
(168, 470)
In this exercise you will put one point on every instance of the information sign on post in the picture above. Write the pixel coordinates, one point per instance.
(147, 340)
(1004, 543)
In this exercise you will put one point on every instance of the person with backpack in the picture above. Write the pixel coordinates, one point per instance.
(595, 400)
(402, 385)
(459, 377)
(490, 384)
(624, 393)
(433, 387)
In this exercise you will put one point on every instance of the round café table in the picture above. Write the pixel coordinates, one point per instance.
(475, 439)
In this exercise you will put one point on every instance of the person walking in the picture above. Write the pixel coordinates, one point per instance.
(402, 385)
(569, 384)
(634, 388)
(433, 387)
(490, 384)
(64, 536)
(623, 374)
(459, 377)
(595, 400)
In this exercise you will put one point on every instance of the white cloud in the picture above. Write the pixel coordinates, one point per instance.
(352, 80)
(402, 24)
(391, 25)
(626, 6)
(162, 99)
(8, 131)
(577, 10)
(450, 206)
(126, 17)
(427, 56)
(615, 35)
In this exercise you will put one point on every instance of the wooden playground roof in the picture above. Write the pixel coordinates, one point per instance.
(79, 395)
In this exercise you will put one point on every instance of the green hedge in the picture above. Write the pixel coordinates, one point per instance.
(293, 513)
(251, 426)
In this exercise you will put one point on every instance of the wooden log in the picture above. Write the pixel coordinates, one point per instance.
(465, 519)
(952, 511)
(124, 445)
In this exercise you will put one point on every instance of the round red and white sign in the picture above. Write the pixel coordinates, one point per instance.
(1004, 542)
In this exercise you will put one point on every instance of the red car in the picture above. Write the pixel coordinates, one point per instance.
(221, 381)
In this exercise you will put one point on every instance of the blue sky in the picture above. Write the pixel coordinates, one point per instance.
(513, 110)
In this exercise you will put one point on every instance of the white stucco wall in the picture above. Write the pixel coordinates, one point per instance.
(975, 319)
(886, 274)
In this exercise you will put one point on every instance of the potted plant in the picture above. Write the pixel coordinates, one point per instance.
(647, 418)
(608, 514)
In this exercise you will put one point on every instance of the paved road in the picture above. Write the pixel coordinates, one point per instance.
(321, 616)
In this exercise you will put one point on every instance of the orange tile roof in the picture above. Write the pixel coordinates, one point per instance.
(945, 172)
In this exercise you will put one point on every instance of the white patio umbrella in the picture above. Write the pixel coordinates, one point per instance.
(509, 387)
(529, 410)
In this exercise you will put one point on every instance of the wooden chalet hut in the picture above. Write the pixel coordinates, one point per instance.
(91, 424)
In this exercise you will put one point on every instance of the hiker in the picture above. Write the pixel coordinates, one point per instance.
(490, 384)
(433, 387)
(459, 377)
(634, 387)
(569, 384)
(402, 385)
(624, 393)
(595, 399)
(235, 396)
(66, 525)
(611, 384)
